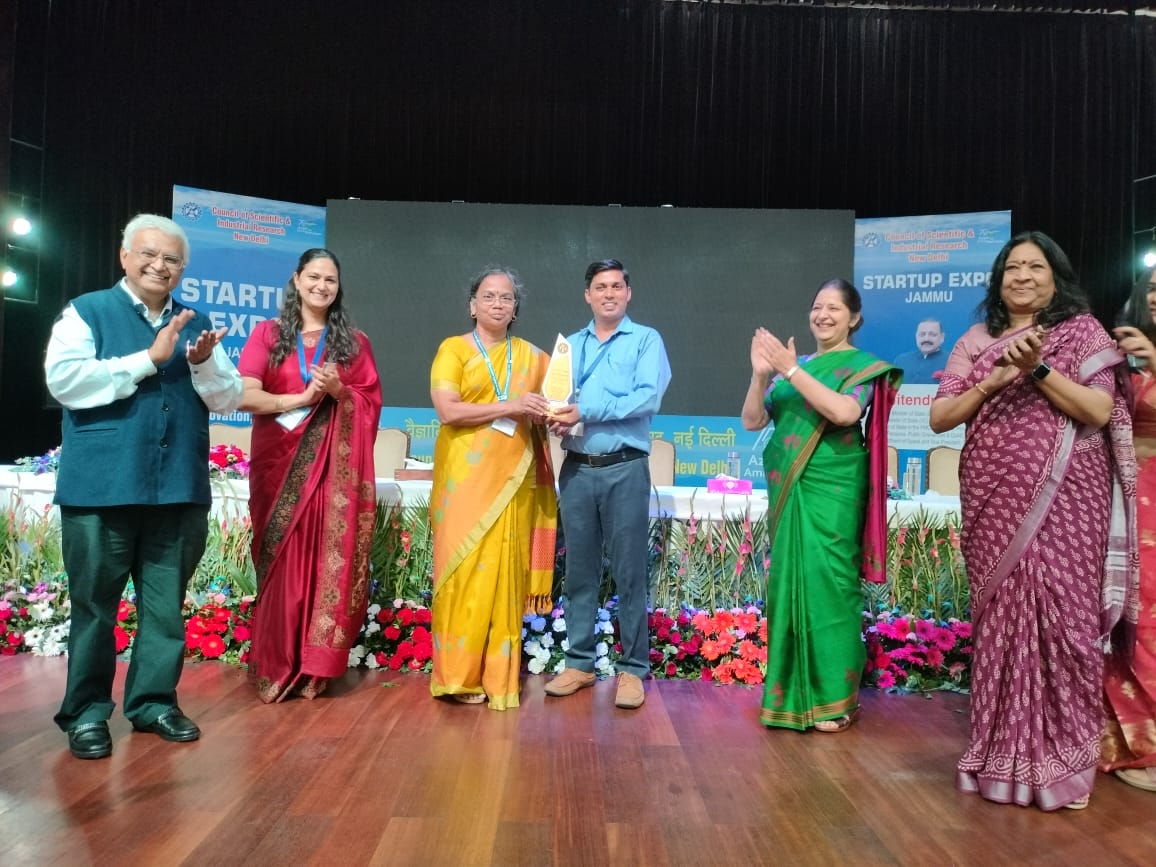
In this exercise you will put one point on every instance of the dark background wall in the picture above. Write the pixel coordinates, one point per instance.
(702, 277)
(637, 102)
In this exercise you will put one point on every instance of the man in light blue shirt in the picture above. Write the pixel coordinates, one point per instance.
(620, 374)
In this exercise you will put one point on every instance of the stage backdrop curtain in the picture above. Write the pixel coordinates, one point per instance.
(637, 102)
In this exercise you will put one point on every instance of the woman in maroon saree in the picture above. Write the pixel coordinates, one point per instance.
(1129, 744)
(311, 383)
(1047, 489)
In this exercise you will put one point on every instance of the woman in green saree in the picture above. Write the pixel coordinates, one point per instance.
(826, 490)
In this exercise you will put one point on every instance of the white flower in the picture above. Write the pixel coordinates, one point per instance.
(546, 640)
(565, 645)
(604, 626)
(41, 611)
(33, 637)
(373, 610)
(601, 648)
(560, 624)
(371, 661)
(536, 665)
(359, 651)
(531, 647)
(50, 648)
(602, 663)
(372, 628)
(559, 667)
(603, 614)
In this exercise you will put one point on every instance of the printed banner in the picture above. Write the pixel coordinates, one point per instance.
(704, 446)
(921, 279)
(242, 252)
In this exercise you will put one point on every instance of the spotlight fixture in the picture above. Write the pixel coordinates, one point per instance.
(20, 226)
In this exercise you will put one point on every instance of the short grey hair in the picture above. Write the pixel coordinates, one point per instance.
(162, 224)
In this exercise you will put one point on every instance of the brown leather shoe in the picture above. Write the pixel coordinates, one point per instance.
(569, 682)
(630, 693)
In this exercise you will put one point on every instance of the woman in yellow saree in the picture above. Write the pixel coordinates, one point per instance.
(492, 506)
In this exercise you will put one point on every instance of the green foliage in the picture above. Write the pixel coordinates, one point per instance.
(401, 554)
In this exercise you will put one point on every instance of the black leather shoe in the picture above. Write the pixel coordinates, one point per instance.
(172, 725)
(90, 740)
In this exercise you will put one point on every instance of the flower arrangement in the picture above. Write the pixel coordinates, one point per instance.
(909, 653)
(728, 646)
(219, 629)
(915, 626)
(396, 636)
(228, 462)
(45, 463)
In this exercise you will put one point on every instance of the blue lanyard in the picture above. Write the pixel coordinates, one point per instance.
(305, 375)
(502, 395)
(597, 359)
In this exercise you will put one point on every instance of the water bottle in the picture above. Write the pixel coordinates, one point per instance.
(734, 465)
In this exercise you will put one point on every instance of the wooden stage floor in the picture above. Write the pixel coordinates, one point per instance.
(377, 772)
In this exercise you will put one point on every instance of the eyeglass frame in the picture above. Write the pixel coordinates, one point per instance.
(171, 260)
(492, 300)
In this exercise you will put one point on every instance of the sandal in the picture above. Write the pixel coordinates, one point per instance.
(1079, 803)
(469, 697)
(839, 724)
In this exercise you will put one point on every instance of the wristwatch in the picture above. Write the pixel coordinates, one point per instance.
(1042, 370)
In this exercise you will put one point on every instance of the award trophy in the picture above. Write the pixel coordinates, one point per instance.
(559, 382)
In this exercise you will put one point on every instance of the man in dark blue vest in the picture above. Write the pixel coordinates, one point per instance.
(137, 373)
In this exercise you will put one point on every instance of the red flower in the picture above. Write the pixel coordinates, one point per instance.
(405, 649)
(212, 647)
(395, 662)
(706, 674)
(423, 615)
(14, 639)
(382, 659)
(671, 669)
(7, 651)
(392, 633)
(385, 615)
(193, 640)
(422, 652)
(405, 616)
(5, 613)
(122, 638)
(241, 632)
(415, 664)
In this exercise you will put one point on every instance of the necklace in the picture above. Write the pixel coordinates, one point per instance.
(309, 338)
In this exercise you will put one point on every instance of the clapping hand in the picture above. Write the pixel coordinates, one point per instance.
(1025, 352)
(199, 352)
(326, 378)
(769, 355)
(165, 342)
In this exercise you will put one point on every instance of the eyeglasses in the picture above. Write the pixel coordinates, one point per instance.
(150, 256)
(490, 300)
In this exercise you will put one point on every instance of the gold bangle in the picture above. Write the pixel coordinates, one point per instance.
(986, 394)
(794, 369)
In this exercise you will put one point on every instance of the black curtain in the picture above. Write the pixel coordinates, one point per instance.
(639, 102)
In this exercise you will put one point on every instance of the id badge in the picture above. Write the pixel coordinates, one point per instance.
(292, 417)
(505, 426)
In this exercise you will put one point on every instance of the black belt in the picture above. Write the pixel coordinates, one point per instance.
(618, 457)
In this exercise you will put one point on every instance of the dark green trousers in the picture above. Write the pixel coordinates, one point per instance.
(159, 547)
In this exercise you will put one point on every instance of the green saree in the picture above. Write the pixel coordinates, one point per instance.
(821, 520)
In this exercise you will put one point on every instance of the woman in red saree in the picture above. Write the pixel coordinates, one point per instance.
(1129, 744)
(311, 383)
(1047, 486)
(493, 508)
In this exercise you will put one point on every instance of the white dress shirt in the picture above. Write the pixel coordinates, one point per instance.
(80, 380)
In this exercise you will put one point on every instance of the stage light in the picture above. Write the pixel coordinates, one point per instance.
(20, 226)
(1149, 259)
(10, 278)
(21, 274)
